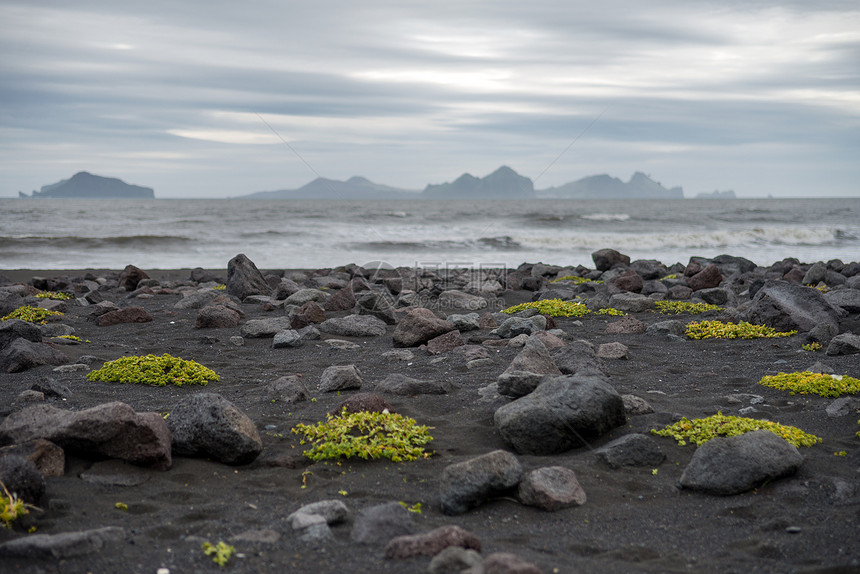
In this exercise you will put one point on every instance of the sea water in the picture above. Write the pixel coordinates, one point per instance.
(300, 234)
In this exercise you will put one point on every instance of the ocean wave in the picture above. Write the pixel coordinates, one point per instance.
(69, 241)
(606, 216)
(500, 243)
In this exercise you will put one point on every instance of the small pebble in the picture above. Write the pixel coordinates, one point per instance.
(793, 529)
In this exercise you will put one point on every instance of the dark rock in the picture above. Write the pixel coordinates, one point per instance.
(627, 325)
(649, 269)
(364, 402)
(707, 278)
(208, 425)
(815, 274)
(52, 388)
(507, 563)
(12, 329)
(399, 384)
(22, 354)
(514, 326)
(444, 343)
(560, 414)
(534, 358)
(110, 429)
(127, 315)
(130, 277)
(679, 293)
(517, 384)
(309, 313)
(713, 296)
(244, 279)
(577, 358)
(460, 301)
(341, 300)
(354, 326)
(822, 334)
(844, 344)
(635, 406)
(48, 457)
(731, 465)
(786, 307)
(196, 299)
(287, 338)
(455, 560)
(261, 328)
(613, 351)
(652, 287)
(379, 524)
(21, 477)
(551, 488)
(200, 275)
(467, 322)
(468, 484)
(9, 302)
(340, 378)
(605, 259)
(379, 304)
(663, 328)
(431, 543)
(629, 281)
(61, 546)
(288, 389)
(217, 317)
(419, 326)
(834, 279)
(631, 450)
(631, 302)
(794, 276)
(848, 299)
(851, 270)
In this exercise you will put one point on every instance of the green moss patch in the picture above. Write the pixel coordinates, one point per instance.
(57, 295)
(700, 431)
(31, 314)
(552, 307)
(154, 370)
(676, 307)
(742, 330)
(365, 435)
(576, 279)
(807, 383)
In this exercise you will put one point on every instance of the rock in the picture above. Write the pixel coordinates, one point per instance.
(455, 560)
(679, 292)
(604, 259)
(288, 389)
(506, 563)
(208, 425)
(848, 299)
(707, 278)
(713, 296)
(663, 328)
(130, 277)
(48, 457)
(534, 358)
(22, 354)
(577, 358)
(62, 546)
(21, 477)
(340, 378)
(444, 343)
(331, 511)
(786, 307)
(549, 340)
(217, 317)
(398, 355)
(341, 345)
(454, 299)
(467, 322)
(354, 326)
(842, 406)
(419, 326)
(815, 274)
(9, 302)
(629, 281)
(468, 484)
(631, 302)
(399, 384)
(244, 279)
(731, 465)
(431, 543)
(379, 524)
(515, 326)
(844, 344)
(613, 351)
(649, 269)
(309, 313)
(12, 329)
(626, 325)
(363, 402)
(560, 414)
(635, 406)
(110, 429)
(341, 300)
(127, 315)
(631, 450)
(551, 488)
(377, 303)
(259, 328)
(487, 321)
(517, 384)
(287, 338)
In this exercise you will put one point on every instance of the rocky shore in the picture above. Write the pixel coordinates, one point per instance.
(542, 458)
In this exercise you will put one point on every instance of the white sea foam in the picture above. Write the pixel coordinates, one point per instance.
(606, 216)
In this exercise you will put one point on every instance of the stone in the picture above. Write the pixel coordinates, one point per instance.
(287, 389)
(455, 560)
(208, 425)
(679, 293)
(340, 378)
(605, 259)
(331, 511)
(63, 545)
(629, 281)
(549, 340)
(461, 301)
(398, 355)
(534, 358)
(431, 543)
(342, 345)
(444, 343)
(635, 406)
(561, 413)
(302, 296)
(713, 296)
(341, 300)
(110, 429)
(844, 344)
(126, 315)
(848, 299)
(130, 277)
(419, 326)
(261, 328)
(48, 457)
(9, 302)
(631, 450)
(377, 303)
(12, 329)
(613, 351)
(663, 328)
(363, 402)
(506, 563)
(244, 279)
(354, 326)
(467, 322)
(551, 488)
(21, 477)
(649, 269)
(577, 358)
(309, 313)
(468, 484)
(379, 524)
(217, 317)
(631, 302)
(517, 384)
(732, 465)
(707, 278)
(399, 384)
(22, 354)
(515, 326)
(815, 274)
(287, 338)
(787, 307)
(627, 325)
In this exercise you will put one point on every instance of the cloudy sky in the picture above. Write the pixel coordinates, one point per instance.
(759, 97)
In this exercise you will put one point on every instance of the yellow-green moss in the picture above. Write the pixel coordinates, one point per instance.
(220, 287)
(57, 295)
(742, 330)
(220, 552)
(31, 314)
(367, 435)
(669, 276)
(11, 507)
(610, 311)
(675, 307)
(552, 307)
(154, 370)
(812, 347)
(699, 431)
(576, 279)
(806, 383)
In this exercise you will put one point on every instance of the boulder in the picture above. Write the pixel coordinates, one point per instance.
(354, 326)
(260, 328)
(631, 450)
(786, 307)
(707, 278)
(456, 560)
(111, 429)
(461, 301)
(467, 322)
(732, 465)
(534, 358)
(12, 329)
(627, 325)
(340, 378)
(377, 303)
(126, 315)
(629, 281)
(848, 299)
(22, 354)
(517, 384)
(208, 425)
(287, 389)
(379, 524)
(419, 326)
(341, 300)
(444, 343)
(48, 457)
(287, 338)
(614, 350)
(431, 543)
(631, 302)
(21, 477)
(244, 279)
(302, 296)
(844, 344)
(577, 358)
(217, 317)
(63, 545)
(515, 326)
(605, 259)
(468, 484)
(563, 412)
(551, 488)
(130, 277)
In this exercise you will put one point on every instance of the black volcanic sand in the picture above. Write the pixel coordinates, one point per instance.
(635, 520)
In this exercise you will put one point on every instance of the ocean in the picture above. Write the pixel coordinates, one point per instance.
(299, 234)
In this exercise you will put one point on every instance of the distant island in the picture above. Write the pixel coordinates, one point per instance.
(84, 185)
(504, 183)
(603, 186)
(716, 194)
(356, 187)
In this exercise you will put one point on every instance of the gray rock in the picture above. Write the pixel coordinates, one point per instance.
(342, 345)
(635, 406)
(517, 384)
(631, 450)
(22, 477)
(208, 425)
(454, 299)
(64, 545)
(505, 563)
(444, 343)
(842, 406)
(707, 278)
(631, 302)
(604, 259)
(398, 355)
(12, 329)
(287, 338)
(340, 378)
(467, 322)
(260, 328)
(627, 325)
(217, 317)
(22, 354)
(9, 301)
(354, 326)
(815, 274)
(515, 326)
(534, 358)
(663, 328)
(377, 303)
(551, 488)
(399, 384)
(302, 296)
(244, 279)
(844, 344)
(196, 299)
(786, 307)
(731, 465)
(713, 295)
(48, 457)
(468, 484)
(332, 511)
(110, 429)
(431, 543)
(419, 326)
(310, 527)
(561, 413)
(454, 560)
(379, 524)
(577, 358)
(288, 389)
(613, 351)
(822, 334)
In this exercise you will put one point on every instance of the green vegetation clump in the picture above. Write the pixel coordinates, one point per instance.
(222, 552)
(552, 307)
(742, 330)
(365, 435)
(220, 287)
(576, 279)
(806, 383)
(11, 507)
(154, 370)
(610, 311)
(669, 276)
(57, 295)
(31, 314)
(813, 346)
(676, 307)
(700, 431)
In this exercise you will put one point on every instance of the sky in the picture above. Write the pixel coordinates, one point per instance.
(217, 99)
